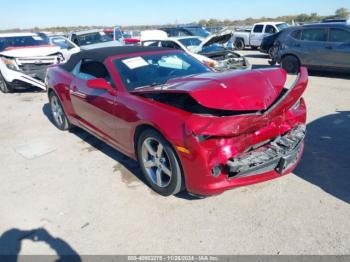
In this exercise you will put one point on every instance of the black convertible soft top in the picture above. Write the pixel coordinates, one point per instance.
(100, 54)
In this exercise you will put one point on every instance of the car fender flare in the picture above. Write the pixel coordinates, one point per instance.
(140, 127)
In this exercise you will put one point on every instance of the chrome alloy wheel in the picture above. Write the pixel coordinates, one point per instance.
(156, 162)
(57, 111)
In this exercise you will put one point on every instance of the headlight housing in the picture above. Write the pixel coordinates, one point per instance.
(10, 63)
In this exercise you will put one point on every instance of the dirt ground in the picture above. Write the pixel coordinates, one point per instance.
(67, 192)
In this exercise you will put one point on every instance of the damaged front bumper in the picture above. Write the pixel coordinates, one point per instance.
(279, 155)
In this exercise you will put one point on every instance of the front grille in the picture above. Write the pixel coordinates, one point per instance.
(279, 154)
(34, 70)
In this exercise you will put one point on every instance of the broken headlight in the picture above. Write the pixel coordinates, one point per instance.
(10, 63)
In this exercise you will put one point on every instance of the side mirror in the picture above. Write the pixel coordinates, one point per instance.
(101, 83)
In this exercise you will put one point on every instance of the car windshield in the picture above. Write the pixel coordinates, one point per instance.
(190, 41)
(282, 26)
(61, 42)
(156, 69)
(22, 41)
(94, 38)
(198, 31)
(212, 48)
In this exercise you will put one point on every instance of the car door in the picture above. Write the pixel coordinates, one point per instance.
(312, 47)
(256, 35)
(339, 48)
(94, 107)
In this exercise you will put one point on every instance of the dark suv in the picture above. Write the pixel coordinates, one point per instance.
(321, 46)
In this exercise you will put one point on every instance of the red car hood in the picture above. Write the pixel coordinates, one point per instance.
(236, 90)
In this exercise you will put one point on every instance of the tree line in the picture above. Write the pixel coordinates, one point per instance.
(302, 18)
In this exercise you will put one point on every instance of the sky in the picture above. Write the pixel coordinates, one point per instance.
(46, 13)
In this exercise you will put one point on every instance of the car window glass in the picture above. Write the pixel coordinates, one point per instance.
(183, 33)
(62, 43)
(171, 32)
(150, 43)
(318, 35)
(258, 28)
(156, 69)
(296, 34)
(170, 44)
(339, 35)
(190, 42)
(90, 69)
(270, 29)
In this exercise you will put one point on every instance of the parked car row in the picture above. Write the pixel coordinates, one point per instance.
(25, 57)
(210, 50)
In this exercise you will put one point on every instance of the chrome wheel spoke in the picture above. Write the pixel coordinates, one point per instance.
(149, 148)
(160, 150)
(149, 164)
(159, 177)
(166, 170)
(59, 118)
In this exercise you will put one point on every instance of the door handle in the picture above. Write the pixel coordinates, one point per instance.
(74, 92)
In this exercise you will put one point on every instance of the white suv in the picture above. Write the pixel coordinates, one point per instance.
(24, 58)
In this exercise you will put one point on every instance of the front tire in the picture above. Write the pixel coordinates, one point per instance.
(159, 163)
(291, 64)
(59, 117)
(239, 44)
(4, 86)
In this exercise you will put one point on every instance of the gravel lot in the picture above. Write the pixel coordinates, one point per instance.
(82, 196)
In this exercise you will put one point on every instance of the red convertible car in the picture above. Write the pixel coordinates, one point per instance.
(187, 126)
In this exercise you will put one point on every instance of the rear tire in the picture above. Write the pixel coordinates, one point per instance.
(159, 163)
(59, 117)
(291, 64)
(5, 87)
(239, 44)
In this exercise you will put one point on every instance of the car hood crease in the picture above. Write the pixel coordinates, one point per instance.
(232, 90)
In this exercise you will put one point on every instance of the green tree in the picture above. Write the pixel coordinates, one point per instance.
(203, 22)
(342, 12)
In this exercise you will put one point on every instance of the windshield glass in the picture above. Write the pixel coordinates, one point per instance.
(282, 26)
(212, 48)
(190, 42)
(199, 31)
(156, 69)
(61, 42)
(22, 41)
(94, 38)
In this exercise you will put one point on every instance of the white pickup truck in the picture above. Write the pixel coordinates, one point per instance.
(254, 37)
